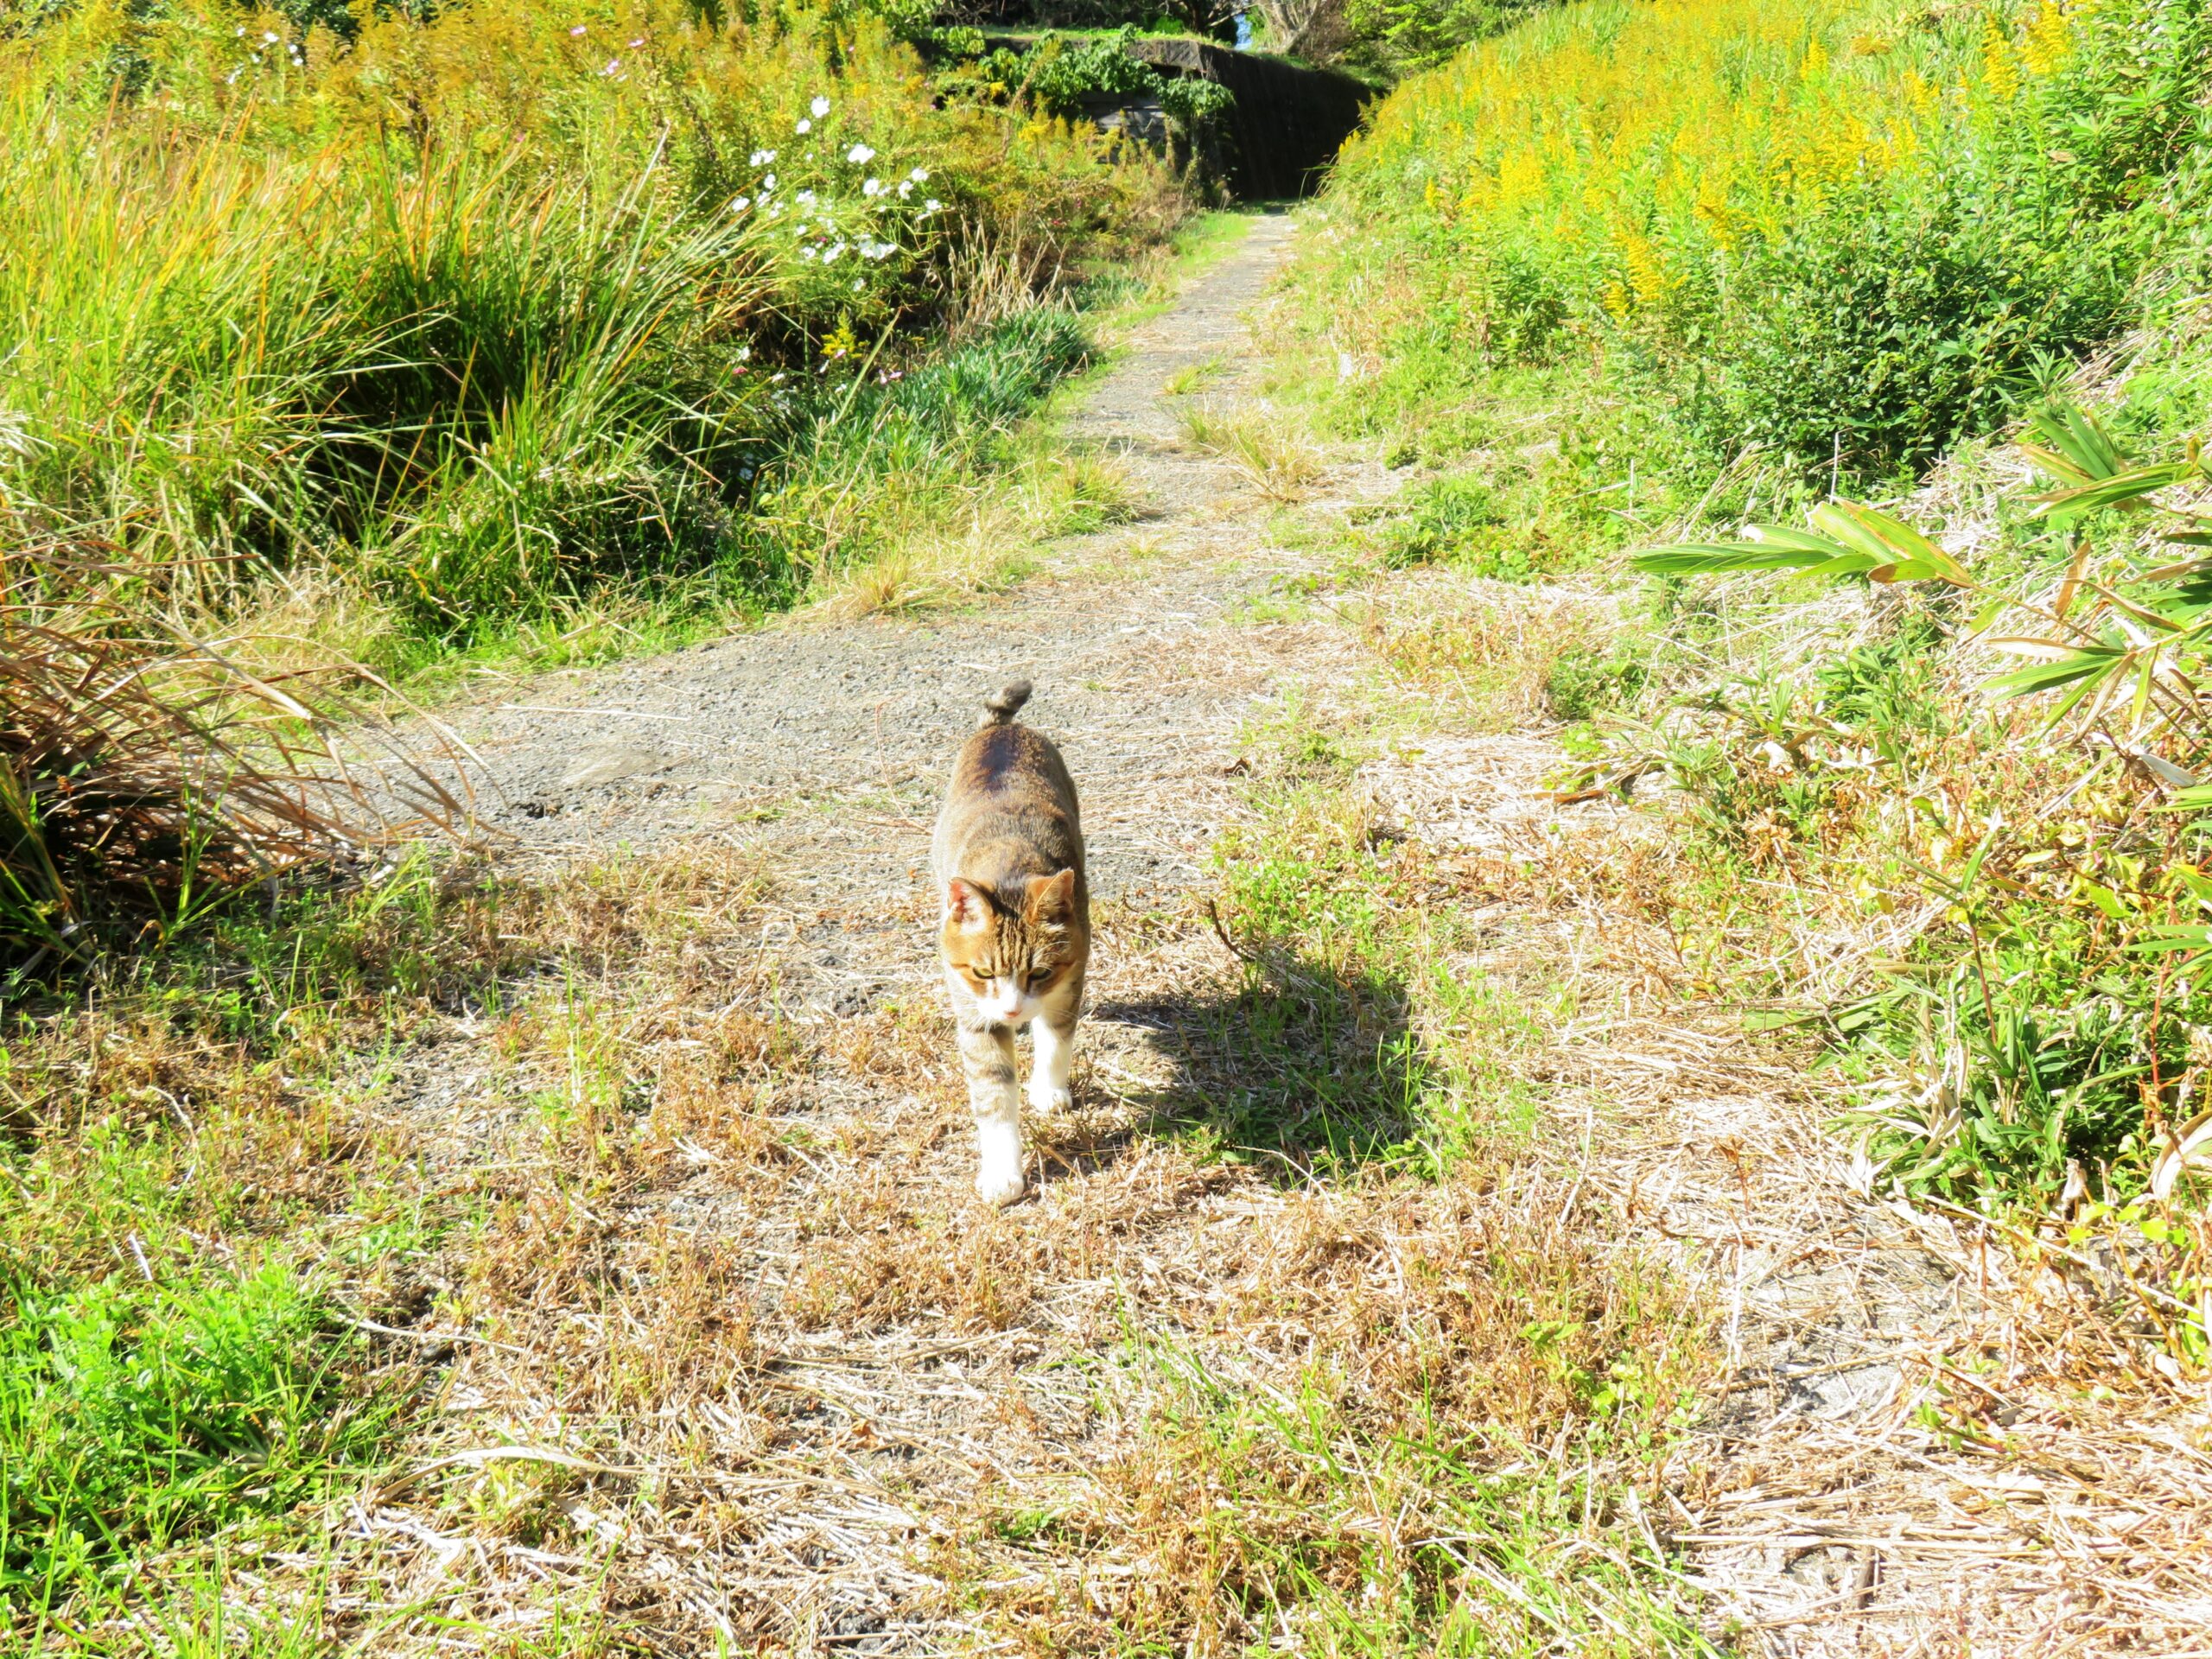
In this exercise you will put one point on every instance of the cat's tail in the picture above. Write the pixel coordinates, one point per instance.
(1003, 704)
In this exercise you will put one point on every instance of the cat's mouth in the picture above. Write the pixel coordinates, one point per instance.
(1002, 1004)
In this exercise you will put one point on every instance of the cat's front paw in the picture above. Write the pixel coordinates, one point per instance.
(1045, 1099)
(1000, 1185)
(998, 1161)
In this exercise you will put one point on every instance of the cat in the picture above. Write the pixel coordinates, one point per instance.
(1015, 934)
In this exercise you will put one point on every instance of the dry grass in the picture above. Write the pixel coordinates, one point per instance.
(959, 550)
(1271, 455)
(1931, 1433)
(1487, 650)
(727, 1353)
(145, 772)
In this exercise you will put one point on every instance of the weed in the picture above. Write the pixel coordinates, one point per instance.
(1196, 378)
(1279, 465)
(1845, 252)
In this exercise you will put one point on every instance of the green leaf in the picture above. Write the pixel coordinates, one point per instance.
(2123, 489)
(2080, 451)
(2091, 660)
(1708, 558)
(1777, 548)
(1900, 552)
(2197, 798)
(2107, 900)
(2167, 939)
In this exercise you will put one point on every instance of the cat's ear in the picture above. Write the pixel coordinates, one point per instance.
(1050, 900)
(965, 907)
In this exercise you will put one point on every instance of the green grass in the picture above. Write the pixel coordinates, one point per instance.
(564, 344)
(192, 1225)
(1432, 1532)
(135, 1416)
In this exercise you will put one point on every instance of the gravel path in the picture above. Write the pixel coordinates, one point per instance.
(820, 745)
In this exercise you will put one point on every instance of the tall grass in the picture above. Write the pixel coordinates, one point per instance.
(479, 312)
(1840, 233)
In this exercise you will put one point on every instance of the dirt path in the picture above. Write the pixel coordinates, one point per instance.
(930, 1358)
(819, 746)
(827, 1403)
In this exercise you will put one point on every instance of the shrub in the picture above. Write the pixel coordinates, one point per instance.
(483, 309)
(2043, 1012)
(1846, 236)
(143, 774)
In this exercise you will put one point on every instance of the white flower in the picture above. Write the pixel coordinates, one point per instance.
(762, 157)
(577, 33)
(241, 31)
(803, 127)
(873, 187)
(805, 198)
(821, 107)
(919, 175)
(932, 206)
(767, 183)
(635, 44)
(860, 155)
(858, 285)
(612, 64)
(739, 204)
(831, 256)
(906, 189)
(745, 353)
(807, 253)
(268, 39)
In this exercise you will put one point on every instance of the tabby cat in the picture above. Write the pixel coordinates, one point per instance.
(1016, 932)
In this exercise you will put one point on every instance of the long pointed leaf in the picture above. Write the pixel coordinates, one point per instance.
(2123, 489)
(2091, 663)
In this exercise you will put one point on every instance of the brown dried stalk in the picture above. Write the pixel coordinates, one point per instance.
(145, 771)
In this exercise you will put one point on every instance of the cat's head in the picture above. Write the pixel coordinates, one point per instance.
(1012, 959)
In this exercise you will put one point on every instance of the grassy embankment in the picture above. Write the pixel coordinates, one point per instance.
(1632, 277)
(1628, 277)
(522, 335)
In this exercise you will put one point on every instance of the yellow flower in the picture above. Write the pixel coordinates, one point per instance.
(1998, 73)
(1647, 277)
(2049, 38)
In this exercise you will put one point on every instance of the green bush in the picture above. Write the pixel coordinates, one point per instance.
(1062, 74)
(1839, 235)
(481, 312)
(1903, 313)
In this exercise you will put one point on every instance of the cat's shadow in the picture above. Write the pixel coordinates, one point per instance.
(1300, 1066)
